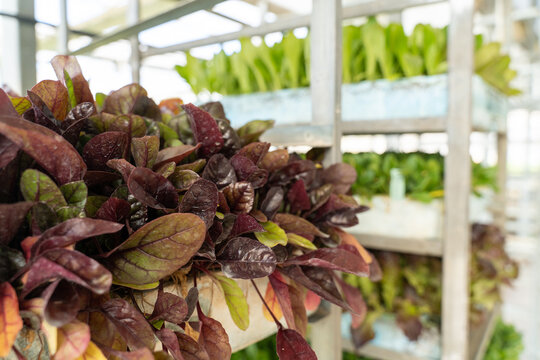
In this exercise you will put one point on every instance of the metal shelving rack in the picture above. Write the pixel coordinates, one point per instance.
(327, 129)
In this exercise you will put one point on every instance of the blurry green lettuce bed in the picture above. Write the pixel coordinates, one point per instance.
(423, 174)
(370, 52)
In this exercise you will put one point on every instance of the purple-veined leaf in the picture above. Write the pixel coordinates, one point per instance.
(73, 338)
(131, 99)
(353, 296)
(158, 249)
(62, 303)
(347, 260)
(75, 193)
(296, 170)
(183, 179)
(318, 280)
(41, 114)
(75, 121)
(114, 209)
(272, 201)
(11, 218)
(243, 224)
(132, 125)
(255, 151)
(297, 294)
(169, 307)
(145, 150)
(170, 342)
(281, 289)
(341, 176)
(231, 140)
(122, 166)
(70, 265)
(191, 301)
(245, 258)
(57, 156)
(38, 187)
(6, 105)
(220, 171)
(275, 160)
(55, 96)
(152, 189)
(247, 171)
(21, 104)
(290, 345)
(166, 169)
(71, 231)
(8, 151)
(174, 154)
(130, 323)
(240, 197)
(191, 349)
(104, 147)
(295, 224)
(298, 197)
(201, 199)
(205, 130)
(70, 65)
(213, 337)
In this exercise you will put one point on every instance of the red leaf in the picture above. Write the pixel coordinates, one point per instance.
(152, 189)
(298, 197)
(169, 307)
(73, 338)
(104, 147)
(130, 323)
(292, 346)
(170, 342)
(54, 94)
(356, 301)
(282, 293)
(174, 154)
(334, 259)
(213, 338)
(191, 350)
(11, 217)
(57, 156)
(70, 65)
(205, 130)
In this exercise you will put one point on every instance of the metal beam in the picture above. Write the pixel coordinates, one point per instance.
(325, 58)
(457, 184)
(292, 22)
(133, 15)
(228, 18)
(63, 28)
(185, 9)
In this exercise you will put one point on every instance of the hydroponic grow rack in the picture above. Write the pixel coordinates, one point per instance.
(326, 129)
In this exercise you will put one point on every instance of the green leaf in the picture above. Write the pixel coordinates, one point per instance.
(100, 99)
(149, 286)
(274, 235)
(300, 241)
(236, 301)
(70, 89)
(93, 203)
(158, 249)
(75, 193)
(36, 186)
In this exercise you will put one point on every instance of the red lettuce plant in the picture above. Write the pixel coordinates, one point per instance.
(103, 198)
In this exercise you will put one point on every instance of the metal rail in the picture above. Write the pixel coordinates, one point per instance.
(185, 9)
(363, 9)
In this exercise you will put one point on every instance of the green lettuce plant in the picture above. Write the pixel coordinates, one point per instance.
(423, 174)
(370, 52)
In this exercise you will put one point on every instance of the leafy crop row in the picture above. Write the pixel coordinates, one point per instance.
(103, 199)
(370, 52)
(411, 286)
(423, 174)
